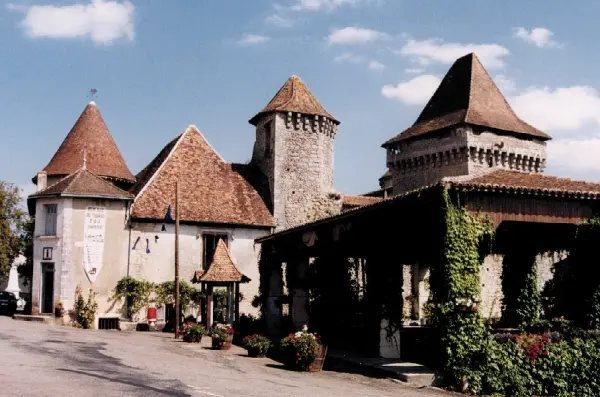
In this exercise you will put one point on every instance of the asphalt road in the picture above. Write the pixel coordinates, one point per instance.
(42, 360)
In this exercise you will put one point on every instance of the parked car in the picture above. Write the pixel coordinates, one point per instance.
(8, 303)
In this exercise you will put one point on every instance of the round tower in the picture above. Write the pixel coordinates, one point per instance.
(294, 149)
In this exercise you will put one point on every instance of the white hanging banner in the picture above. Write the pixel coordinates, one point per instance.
(93, 241)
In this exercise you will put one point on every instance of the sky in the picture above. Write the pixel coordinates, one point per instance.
(159, 66)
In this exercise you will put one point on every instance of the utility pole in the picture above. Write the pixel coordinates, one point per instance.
(176, 259)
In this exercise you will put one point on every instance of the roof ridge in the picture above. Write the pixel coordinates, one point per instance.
(470, 96)
(193, 127)
(160, 167)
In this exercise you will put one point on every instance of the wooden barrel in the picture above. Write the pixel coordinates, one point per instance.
(317, 365)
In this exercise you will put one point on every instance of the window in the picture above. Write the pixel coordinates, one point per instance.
(209, 242)
(268, 137)
(50, 220)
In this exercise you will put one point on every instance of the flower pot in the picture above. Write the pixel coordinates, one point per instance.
(315, 366)
(191, 339)
(58, 312)
(222, 344)
(256, 352)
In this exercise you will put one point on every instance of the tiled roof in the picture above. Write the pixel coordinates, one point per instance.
(358, 201)
(509, 182)
(89, 134)
(467, 94)
(222, 269)
(83, 183)
(530, 183)
(294, 96)
(211, 190)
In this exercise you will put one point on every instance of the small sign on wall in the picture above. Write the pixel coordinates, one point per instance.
(47, 253)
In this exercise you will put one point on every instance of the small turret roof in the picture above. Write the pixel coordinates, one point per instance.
(221, 269)
(294, 96)
(89, 138)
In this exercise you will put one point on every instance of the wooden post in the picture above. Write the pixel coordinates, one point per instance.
(230, 304)
(177, 314)
(236, 295)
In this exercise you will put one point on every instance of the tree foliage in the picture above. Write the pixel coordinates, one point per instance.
(12, 221)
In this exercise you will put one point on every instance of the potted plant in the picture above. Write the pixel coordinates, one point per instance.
(303, 351)
(222, 336)
(59, 309)
(193, 332)
(257, 345)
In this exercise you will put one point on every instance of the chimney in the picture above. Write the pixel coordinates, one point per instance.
(42, 180)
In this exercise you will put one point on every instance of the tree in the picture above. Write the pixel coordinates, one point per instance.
(26, 269)
(12, 221)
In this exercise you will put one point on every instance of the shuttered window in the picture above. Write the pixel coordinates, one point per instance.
(50, 219)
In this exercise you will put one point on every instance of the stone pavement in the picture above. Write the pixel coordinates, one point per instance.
(43, 360)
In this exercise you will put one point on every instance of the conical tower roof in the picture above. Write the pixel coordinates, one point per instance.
(294, 96)
(222, 269)
(467, 94)
(89, 138)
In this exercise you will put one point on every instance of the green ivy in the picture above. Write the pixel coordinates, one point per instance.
(455, 294)
(134, 293)
(522, 299)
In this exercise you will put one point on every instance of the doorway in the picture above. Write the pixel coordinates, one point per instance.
(47, 289)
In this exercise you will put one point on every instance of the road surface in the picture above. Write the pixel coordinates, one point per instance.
(43, 360)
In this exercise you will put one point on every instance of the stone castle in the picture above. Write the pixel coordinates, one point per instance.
(466, 130)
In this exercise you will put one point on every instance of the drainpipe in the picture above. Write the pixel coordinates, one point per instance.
(128, 223)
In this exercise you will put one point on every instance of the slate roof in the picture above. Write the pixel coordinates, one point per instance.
(89, 134)
(221, 269)
(294, 96)
(83, 183)
(467, 94)
(211, 190)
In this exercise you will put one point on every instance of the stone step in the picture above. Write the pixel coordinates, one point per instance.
(411, 373)
(49, 319)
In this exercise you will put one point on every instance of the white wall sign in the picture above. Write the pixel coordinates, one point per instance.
(93, 241)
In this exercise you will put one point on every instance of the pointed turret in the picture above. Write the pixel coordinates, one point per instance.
(89, 141)
(467, 94)
(221, 269)
(294, 96)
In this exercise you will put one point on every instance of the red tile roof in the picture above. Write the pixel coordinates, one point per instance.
(294, 96)
(358, 201)
(222, 269)
(211, 190)
(84, 183)
(89, 134)
(530, 183)
(467, 94)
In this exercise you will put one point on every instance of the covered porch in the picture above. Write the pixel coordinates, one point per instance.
(361, 279)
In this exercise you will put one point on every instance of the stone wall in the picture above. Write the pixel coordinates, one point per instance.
(461, 152)
(297, 158)
(491, 280)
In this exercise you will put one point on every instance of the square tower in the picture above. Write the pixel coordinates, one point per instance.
(294, 149)
(467, 129)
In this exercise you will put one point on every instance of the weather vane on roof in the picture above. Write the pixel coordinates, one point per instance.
(92, 94)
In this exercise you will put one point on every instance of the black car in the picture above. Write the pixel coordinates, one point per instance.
(8, 303)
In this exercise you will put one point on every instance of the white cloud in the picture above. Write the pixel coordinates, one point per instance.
(101, 20)
(428, 51)
(348, 57)
(414, 70)
(376, 65)
(251, 39)
(353, 35)
(540, 37)
(564, 109)
(279, 20)
(413, 92)
(575, 155)
(327, 5)
(504, 83)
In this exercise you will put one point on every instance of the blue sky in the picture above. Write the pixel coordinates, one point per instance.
(161, 65)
